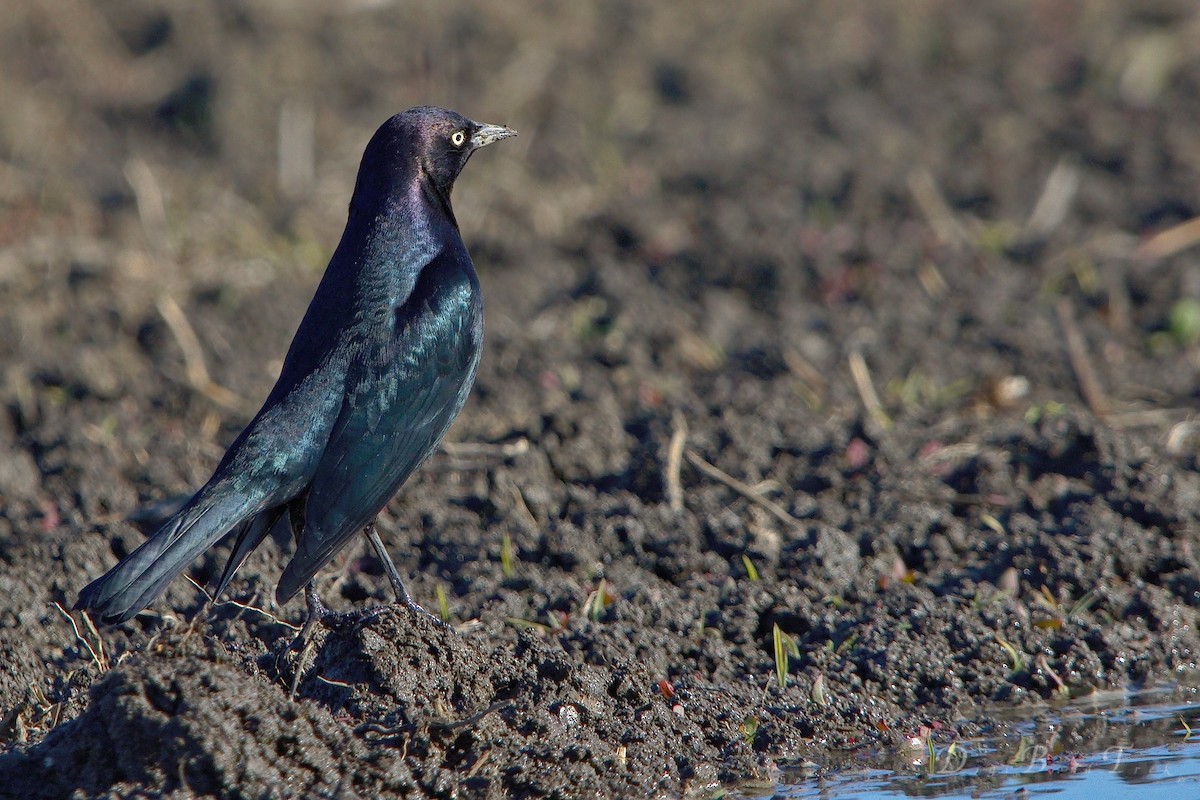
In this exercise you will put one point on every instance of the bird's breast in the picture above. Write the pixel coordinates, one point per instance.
(441, 321)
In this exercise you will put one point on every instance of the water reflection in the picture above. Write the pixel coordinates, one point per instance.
(1095, 749)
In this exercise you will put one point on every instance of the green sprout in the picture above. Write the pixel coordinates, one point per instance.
(751, 570)
(443, 604)
(785, 649)
(507, 561)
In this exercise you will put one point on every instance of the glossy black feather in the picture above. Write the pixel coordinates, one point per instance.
(402, 394)
(379, 368)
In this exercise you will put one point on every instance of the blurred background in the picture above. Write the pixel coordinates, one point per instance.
(701, 194)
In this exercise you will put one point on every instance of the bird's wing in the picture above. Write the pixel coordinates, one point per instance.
(405, 387)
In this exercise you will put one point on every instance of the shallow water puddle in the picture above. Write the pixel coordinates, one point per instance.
(1141, 746)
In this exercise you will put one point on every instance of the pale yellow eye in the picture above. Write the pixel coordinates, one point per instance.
(458, 138)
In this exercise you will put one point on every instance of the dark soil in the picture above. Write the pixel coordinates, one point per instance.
(723, 228)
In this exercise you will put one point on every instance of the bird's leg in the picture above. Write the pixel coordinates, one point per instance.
(402, 596)
(303, 641)
(317, 612)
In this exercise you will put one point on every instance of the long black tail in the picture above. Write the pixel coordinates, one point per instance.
(140, 577)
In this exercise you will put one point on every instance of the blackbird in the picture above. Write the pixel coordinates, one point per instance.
(380, 366)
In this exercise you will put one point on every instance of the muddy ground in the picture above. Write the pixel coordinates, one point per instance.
(865, 331)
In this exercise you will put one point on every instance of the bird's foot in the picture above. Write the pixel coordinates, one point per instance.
(403, 598)
(305, 641)
(361, 616)
(416, 608)
(319, 613)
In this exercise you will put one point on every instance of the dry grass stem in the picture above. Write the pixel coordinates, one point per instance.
(332, 682)
(1120, 304)
(243, 606)
(466, 722)
(1057, 195)
(744, 489)
(1149, 417)
(866, 390)
(308, 650)
(679, 432)
(1180, 433)
(951, 452)
(937, 212)
(193, 357)
(527, 517)
(97, 653)
(812, 381)
(1085, 374)
(931, 280)
(486, 450)
(1171, 241)
(152, 211)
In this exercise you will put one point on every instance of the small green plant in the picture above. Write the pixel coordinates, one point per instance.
(819, 696)
(1025, 746)
(750, 730)
(507, 561)
(1059, 615)
(751, 570)
(843, 647)
(1185, 322)
(1017, 663)
(443, 603)
(1083, 604)
(785, 650)
(919, 391)
(1049, 410)
(600, 599)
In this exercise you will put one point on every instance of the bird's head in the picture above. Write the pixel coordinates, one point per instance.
(426, 143)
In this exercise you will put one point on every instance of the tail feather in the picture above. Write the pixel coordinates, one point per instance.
(249, 537)
(140, 577)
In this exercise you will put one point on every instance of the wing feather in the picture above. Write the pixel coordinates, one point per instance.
(404, 390)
